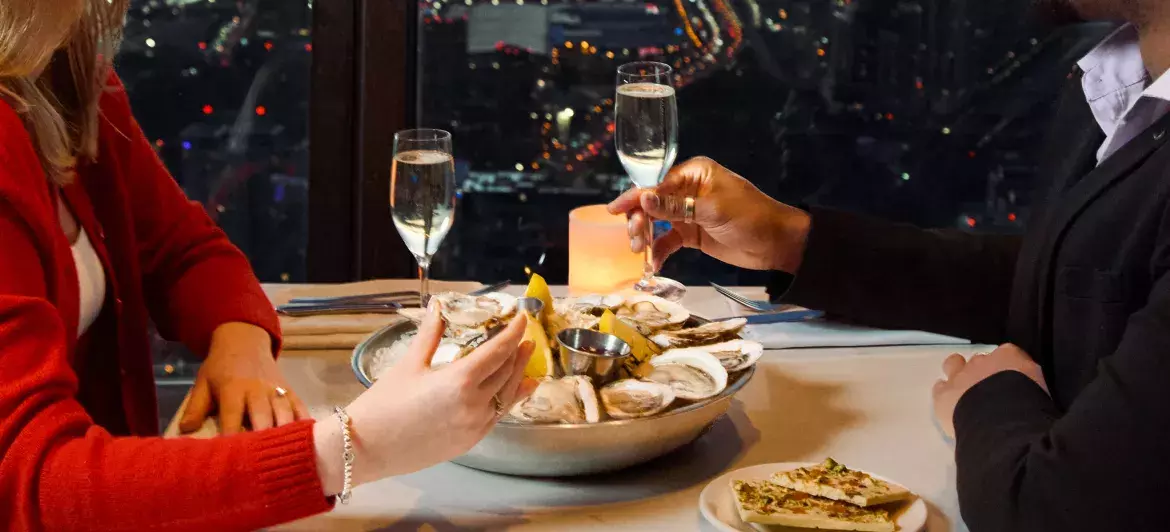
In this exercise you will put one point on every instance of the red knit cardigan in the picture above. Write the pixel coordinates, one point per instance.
(165, 260)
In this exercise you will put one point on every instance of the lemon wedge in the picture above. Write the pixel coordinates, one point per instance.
(541, 364)
(643, 349)
(538, 288)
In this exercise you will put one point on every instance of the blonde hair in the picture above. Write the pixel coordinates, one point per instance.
(74, 42)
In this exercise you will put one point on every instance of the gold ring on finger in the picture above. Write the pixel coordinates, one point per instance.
(689, 210)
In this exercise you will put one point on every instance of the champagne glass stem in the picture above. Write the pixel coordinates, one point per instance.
(648, 270)
(424, 280)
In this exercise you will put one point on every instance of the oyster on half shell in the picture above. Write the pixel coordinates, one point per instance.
(633, 398)
(463, 312)
(650, 314)
(569, 400)
(735, 355)
(708, 333)
(594, 303)
(693, 374)
(567, 315)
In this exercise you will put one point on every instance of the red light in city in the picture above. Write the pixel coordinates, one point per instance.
(207, 109)
(261, 110)
(160, 143)
(202, 46)
(609, 127)
(919, 85)
(971, 154)
(889, 116)
(820, 52)
(1011, 216)
(569, 167)
(970, 222)
(309, 47)
(268, 45)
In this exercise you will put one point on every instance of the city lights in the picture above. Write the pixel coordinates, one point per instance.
(150, 42)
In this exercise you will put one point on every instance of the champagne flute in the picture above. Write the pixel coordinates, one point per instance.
(646, 117)
(422, 195)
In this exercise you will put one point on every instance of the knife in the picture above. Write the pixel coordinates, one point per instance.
(778, 317)
(362, 298)
(341, 308)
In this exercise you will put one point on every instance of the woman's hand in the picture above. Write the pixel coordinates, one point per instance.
(414, 417)
(962, 375)
(240, 376)
(733, 221)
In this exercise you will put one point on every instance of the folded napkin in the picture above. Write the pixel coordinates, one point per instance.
(344, 331)
(821, 333)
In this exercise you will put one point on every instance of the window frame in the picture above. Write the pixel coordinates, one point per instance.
(364, 78)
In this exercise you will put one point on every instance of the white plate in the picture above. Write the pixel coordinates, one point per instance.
(717, 503)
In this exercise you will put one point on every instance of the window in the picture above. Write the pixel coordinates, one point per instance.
(930, 112)
(221, 88)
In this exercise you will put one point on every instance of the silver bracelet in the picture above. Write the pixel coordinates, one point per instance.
(346, 455)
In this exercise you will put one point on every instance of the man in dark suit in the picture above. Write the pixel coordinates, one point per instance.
(1067, 426)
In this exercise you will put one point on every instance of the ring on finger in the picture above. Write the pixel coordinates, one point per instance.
(689, 210)
(280, 392)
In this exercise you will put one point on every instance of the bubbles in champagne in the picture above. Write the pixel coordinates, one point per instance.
(422, 157)
(422, 199)
(647, 131)
(646, 90)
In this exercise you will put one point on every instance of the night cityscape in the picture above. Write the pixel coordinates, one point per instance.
(927, 112)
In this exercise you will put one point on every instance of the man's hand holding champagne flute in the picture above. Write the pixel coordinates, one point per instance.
(729, 218)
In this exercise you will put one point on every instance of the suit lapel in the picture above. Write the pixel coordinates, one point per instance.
(1070, 153)
(1067, 206)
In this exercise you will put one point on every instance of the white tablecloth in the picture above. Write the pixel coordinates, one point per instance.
(866, 407)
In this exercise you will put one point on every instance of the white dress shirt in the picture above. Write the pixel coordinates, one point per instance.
(1118, 89)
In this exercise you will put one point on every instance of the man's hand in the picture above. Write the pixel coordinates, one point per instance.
(962, 374)
(240, 375)
(733, 220)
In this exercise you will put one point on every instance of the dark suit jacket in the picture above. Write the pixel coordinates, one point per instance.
(1086, 292)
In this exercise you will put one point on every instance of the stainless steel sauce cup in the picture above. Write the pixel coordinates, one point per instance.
(596, 355)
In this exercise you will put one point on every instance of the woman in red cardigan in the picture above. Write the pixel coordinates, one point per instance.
(95, 240)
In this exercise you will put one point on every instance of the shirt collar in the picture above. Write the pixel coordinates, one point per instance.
(1114, 65)
(1160, 89)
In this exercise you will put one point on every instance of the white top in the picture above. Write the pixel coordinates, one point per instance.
(1118, 89)
(91, 279)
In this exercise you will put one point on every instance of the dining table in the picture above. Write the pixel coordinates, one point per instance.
(866, 407)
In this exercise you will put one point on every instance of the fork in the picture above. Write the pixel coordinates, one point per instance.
(754, 304)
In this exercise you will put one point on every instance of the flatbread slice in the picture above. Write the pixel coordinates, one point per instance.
(834, 481)
(766, 503)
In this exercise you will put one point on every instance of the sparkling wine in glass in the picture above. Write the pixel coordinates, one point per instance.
(422, 195)
(646, 117)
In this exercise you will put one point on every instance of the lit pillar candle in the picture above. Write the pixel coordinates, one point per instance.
(600, 260)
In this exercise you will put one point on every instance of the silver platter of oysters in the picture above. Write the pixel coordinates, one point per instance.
(678, 377)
